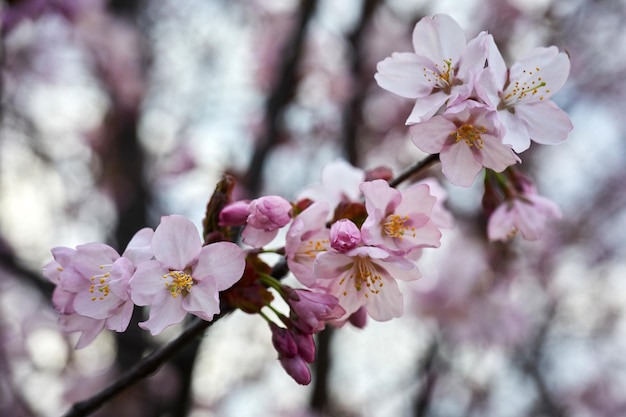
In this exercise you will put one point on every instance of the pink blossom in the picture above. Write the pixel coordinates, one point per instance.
(467, 138)
(366, 277)
(93, 285)
(185, 276)
(234, 214)
(295, 349)
(266, 215)
(522, 94)
(527, 214)
(310, 310)
(399, 221)
(441, 70)
(307, 237)
(344, 235)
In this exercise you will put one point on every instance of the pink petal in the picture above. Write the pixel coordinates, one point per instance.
(257, 238)
(164, 312)
(401, 75)
(222, 261)
(439, 38)
(500, 224)
(119, 321)
(330, 265)
(495, 155)
(458, 164)
(474, 56)
(203, 300)
(147, 282)
(426, 107)
(547, 123)
(431, 135)
(140, 246)
(546, 65)
(176, 242)
(516, 131)
(100, 308)
(387, 304)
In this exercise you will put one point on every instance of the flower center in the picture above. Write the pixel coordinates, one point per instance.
(395, 226)
(99, 283)
(314, 247)
(364, 274)
(181, 283)
(525, 89)
(443, 75)
(471, 135)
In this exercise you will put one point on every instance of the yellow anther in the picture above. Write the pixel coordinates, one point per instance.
(471, 135)
(181, 283)
(394, 225)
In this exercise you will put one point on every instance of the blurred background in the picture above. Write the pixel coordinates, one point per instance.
(114, 113)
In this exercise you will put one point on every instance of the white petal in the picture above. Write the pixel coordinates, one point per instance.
(431, 135)
(223, 262)
(176, 242)
(402, 74)
(439, 38)
(458, 164)
(547, 123)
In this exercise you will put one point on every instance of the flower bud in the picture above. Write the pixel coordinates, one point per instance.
(234, 214)
(344, 235)
(269, 213)
(297, 368)
(283, 342)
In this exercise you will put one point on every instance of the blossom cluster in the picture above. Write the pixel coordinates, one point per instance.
(167, 269)
(469, 107)
(351, 239)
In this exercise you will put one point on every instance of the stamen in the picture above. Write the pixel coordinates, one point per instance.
(395, 226)
(364, 276)
(471, 135)
(181, 283)
(100, 284)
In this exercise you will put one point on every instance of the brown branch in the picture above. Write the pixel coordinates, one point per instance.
(144, 368)
(415, 169)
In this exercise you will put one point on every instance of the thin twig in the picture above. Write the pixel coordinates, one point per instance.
(409, 172)
(144, 368)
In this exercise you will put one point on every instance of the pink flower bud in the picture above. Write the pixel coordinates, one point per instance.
(306, 345)
(310, 310)
(269, 213)
(234, 214)
(283, 342)
(359, 318)
(297, 368)
(344, 235)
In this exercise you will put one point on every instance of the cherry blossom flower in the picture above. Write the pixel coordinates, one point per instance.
(366, 277)
(522, 94)
(266, 215)
(93, 285)
(295, 349)
(234, 214)
(467, 137)
(185, 277)
(399, 221)
(344, 235)
(311, 310)
(526, 213)
(306, 238)
(441, 70)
